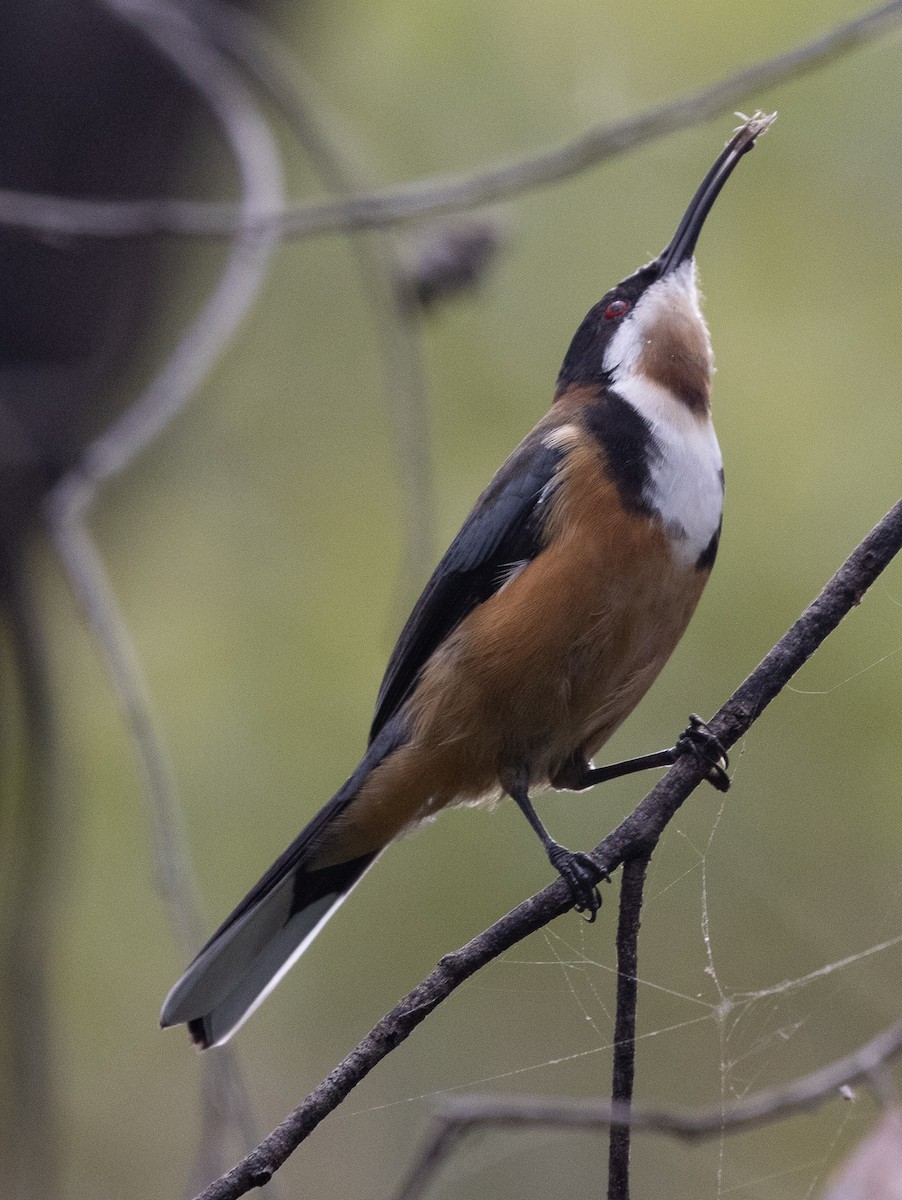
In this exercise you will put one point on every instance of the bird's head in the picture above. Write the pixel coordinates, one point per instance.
(650, 326)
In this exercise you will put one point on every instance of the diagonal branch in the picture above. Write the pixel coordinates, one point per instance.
(640, 829)
(101, 218)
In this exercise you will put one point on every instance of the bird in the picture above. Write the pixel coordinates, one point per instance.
(542, 627)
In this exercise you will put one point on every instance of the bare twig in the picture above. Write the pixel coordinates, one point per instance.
(67, 506)
(632, 884)
(641, 828)
(257, 158)
(379, 261)
(462, 1115)
(173, 876)
(100, 218)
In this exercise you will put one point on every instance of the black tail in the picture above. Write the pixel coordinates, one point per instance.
(272, 926)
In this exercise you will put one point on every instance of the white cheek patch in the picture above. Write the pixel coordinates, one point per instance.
(676, 292)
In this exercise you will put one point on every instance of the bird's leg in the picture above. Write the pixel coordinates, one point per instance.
(576, 775)
(577, 869)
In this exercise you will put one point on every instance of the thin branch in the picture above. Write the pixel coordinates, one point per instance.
(641, 828)
(463, 1115)
(257, 158)
(67, 505)
(100, 218)
(632, 885)
(379, 261)
(66, 508)
(173, 876)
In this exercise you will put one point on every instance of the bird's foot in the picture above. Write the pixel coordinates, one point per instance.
(698, 739)
(581, 875)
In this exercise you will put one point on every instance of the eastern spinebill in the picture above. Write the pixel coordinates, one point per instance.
(547, 620)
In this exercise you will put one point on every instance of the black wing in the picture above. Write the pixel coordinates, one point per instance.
(502, 530)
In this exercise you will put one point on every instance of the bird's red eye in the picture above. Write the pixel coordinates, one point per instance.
(616, 309)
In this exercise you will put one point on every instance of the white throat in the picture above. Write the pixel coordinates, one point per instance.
(685, 485)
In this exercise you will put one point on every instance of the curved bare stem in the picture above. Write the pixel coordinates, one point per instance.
(379, 261)
(467, 1114)
(100, 218)
(67, 507)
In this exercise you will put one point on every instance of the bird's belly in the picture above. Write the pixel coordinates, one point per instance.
(545, 669)
(553, 663)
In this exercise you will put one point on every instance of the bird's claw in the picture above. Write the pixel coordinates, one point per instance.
(582, 875)
(698, 739)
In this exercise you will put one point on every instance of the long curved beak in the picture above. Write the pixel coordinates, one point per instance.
(682, 247)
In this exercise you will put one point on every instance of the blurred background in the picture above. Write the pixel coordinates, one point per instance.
(261, 552)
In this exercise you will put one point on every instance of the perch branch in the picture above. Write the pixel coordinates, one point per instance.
(640, 829)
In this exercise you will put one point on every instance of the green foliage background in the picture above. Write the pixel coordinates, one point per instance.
(256, 549)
